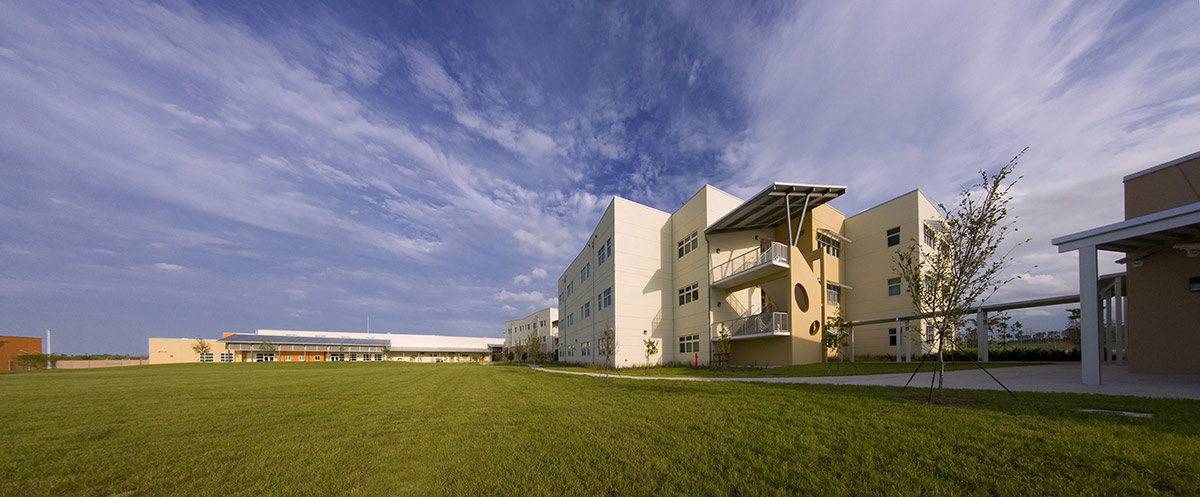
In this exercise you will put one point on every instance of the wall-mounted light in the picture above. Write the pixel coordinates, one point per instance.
(718, 251)
(718, 304)
(756, 237)
(644, 332)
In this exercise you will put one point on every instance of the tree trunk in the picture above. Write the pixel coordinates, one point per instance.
(941, 365)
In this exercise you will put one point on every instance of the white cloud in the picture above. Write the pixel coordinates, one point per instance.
(166, 266)
(529, 300)
(522, 279)
(295, 294)
(539, 272)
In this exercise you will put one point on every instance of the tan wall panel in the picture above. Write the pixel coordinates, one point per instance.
(1164, 317)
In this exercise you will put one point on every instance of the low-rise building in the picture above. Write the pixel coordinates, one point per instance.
(322, 346)
(767, 272)
(540, 327)
(12, 346)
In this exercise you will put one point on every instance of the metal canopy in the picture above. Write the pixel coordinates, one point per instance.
(286, 340)
(1140, 236)
(770, 207)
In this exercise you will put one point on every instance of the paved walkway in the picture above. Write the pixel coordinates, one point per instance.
(1062, 377)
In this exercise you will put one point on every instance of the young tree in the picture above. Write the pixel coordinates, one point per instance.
(201, 347)
(724, 345)
(964, 265)
(533, 344)
(837, 332)
(1071, 333)
(651, 349)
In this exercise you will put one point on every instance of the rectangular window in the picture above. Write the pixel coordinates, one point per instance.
(929, 334)
(829, 245)
(688, 244)
(607, 298)
(570, 288)
(378, 357)
(689, 344)
(300, 358)
(689, 294)
(891, 337)
(928, 284)
(586, 348)
(600, 256)
(261, 357)
(587, 309)
(893, 236)
(930, 235)
(287, 358)
(337, 357)
(206, 357)
(833, 294)
(583, 274)
(893, 287)
(353, 357)
(226, 356)
(609, 247)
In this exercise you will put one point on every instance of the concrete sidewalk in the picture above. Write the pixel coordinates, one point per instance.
(1061, 377)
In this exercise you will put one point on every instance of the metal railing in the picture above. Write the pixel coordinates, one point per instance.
(765, 253)
(758, 324)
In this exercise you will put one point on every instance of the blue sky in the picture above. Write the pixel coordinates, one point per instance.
(182, 169)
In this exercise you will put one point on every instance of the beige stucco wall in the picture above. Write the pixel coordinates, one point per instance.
(542, 322)
(1162, 189)
(1163, 316)
(644, 288)
(177, 350)
(868, 266)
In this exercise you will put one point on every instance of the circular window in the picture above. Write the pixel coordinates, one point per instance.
(801, 298)
(814, 328)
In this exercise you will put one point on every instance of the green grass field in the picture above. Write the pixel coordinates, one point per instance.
(413, 429)
(801, 371)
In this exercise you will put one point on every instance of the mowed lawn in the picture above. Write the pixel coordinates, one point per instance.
(413, 429)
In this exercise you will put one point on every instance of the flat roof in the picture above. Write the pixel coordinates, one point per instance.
(298, 340)
(1164, 165)
(769, 207)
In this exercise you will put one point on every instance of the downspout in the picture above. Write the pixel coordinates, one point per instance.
(592, 277)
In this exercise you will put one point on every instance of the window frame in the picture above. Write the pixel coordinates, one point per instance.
(893, 237)
(894, 283)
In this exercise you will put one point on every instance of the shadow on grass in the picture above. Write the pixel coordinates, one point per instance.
(1178, 416)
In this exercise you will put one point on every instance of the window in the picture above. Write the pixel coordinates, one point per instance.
(570, 288)
(300, 358)
(337, 357)
(690, 293)
(226, 356)
(893, 236)
(600, 256)
(585, 348)
(604, 299)
(378, 357)
(929, 334)
(206, 357)
(688, 244)
(583, 272)
(353, 357)
(609, 247)
(260, 357)
(689, 344)
(893, 287)
(929, 284)
(930, 235)
(891, 337)
(317, 357)
(833, 294)
(287, 358)
(587, 309)
(831, 246)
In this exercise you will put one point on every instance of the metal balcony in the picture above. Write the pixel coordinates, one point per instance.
(767, 259)
(766, 324)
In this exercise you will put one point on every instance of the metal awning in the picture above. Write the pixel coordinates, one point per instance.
(1141, 236)
(834, 235)
(770, 207)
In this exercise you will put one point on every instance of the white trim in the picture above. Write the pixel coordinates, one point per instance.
(1138, 226)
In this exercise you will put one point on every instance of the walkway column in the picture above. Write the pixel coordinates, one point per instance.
(981, 328)
(1089, 316)
(1120, 322)
(899, 331)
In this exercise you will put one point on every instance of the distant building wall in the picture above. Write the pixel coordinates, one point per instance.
(11, 347)
(105, 363)
(179, 350)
